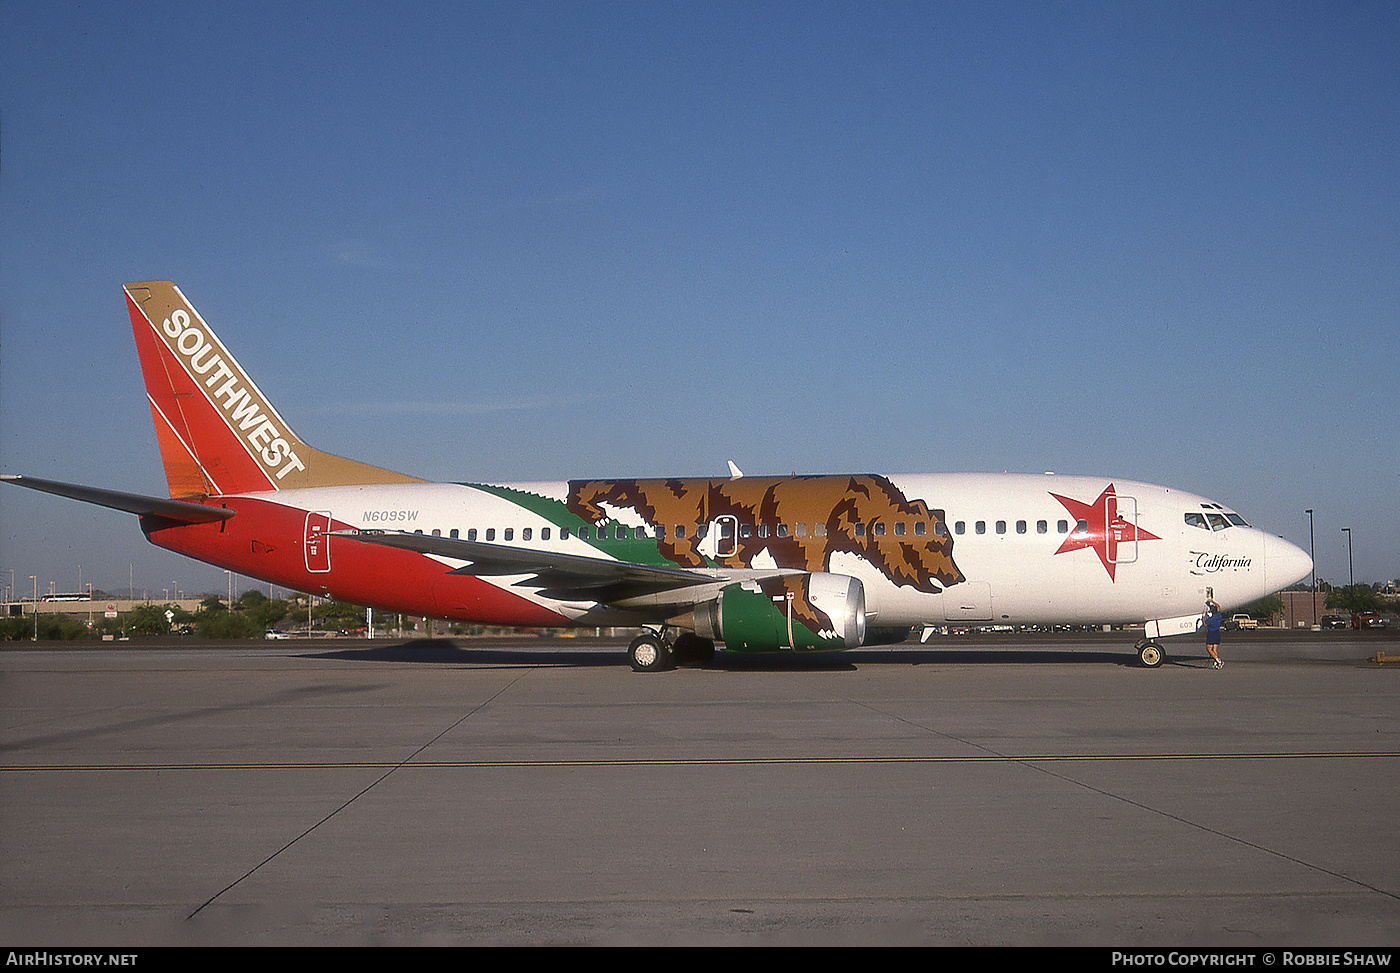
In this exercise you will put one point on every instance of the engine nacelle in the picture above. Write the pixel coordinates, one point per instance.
(798, 611)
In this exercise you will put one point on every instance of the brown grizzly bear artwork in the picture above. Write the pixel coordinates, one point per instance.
(839, 514)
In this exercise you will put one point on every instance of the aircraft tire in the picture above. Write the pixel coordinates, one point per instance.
(648, 654)
(1151, 655)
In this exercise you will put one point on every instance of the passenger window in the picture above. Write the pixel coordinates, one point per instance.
(509, 534)
(782, 530)
(801, 530)
(860, 529)
(1063, 527)
(1081, 527)
(471, 534)
(981, 527)
(526, 534)
(899, 529)
(960, 527)
(921, 528)
(1020, 526)
(563, 533)
(454, 532)
(819, 530)
(544, 533)
(583, 533)
(940, 528)
(1001, 527)
(490, 533)
(680, 530)
(1041, 527)
(878, 529)
(437, 533)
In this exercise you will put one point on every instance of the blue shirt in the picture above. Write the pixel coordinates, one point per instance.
(1213, 622)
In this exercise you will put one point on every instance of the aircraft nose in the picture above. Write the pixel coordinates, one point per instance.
(1284, 563)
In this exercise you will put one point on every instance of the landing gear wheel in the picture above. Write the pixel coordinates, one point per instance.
(647, 653)
(1150, 654)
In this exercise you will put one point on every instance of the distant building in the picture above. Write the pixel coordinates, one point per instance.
(1298, 609)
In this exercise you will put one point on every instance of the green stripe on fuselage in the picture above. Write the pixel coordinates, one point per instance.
(602, 534)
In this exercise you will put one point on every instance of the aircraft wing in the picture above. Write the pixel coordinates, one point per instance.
(176, 510)
(566, 577)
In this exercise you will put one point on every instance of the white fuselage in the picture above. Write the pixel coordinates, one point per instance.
(1031, 549)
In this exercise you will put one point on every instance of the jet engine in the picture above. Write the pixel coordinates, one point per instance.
(798, 611)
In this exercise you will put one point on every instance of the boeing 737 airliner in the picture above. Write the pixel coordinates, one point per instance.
(759, 563)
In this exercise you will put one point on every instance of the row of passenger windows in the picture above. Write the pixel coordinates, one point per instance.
(617, 532)
(1022, 527)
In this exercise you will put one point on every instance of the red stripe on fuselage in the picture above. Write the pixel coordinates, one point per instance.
(266, 540)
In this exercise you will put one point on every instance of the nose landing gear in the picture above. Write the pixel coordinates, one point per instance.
(1150, 654)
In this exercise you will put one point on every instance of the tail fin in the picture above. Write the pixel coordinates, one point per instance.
(218, 434)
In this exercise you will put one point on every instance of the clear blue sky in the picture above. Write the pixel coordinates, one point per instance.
(544, 240)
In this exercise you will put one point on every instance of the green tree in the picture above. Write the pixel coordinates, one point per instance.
(66, 627)
(262, 612)
(215, 621)
(1264, 609)
(146, 620)
(1355, 598)
(338, 615)
(14, 628)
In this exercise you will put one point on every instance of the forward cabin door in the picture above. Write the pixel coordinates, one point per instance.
(1123, 528)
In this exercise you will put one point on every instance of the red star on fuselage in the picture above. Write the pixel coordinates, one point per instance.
(1104, 529)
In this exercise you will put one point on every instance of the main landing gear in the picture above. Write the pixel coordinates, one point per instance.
(657, 651)
(650, 653)
(1150, 654)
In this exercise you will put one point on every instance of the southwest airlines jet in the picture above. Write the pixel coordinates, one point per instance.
(758, 563)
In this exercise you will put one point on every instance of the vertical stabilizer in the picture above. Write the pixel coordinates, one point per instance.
(218, 434)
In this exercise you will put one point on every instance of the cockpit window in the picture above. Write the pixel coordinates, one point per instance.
(1213, 521)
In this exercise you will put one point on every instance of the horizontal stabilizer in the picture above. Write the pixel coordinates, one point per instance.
(135, 503)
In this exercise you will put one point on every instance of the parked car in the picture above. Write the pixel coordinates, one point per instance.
(1243, 621)
(1367, 620)
(1333, 621)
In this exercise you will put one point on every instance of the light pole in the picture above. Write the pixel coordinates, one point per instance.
(1350, 568)
(1313, 555)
